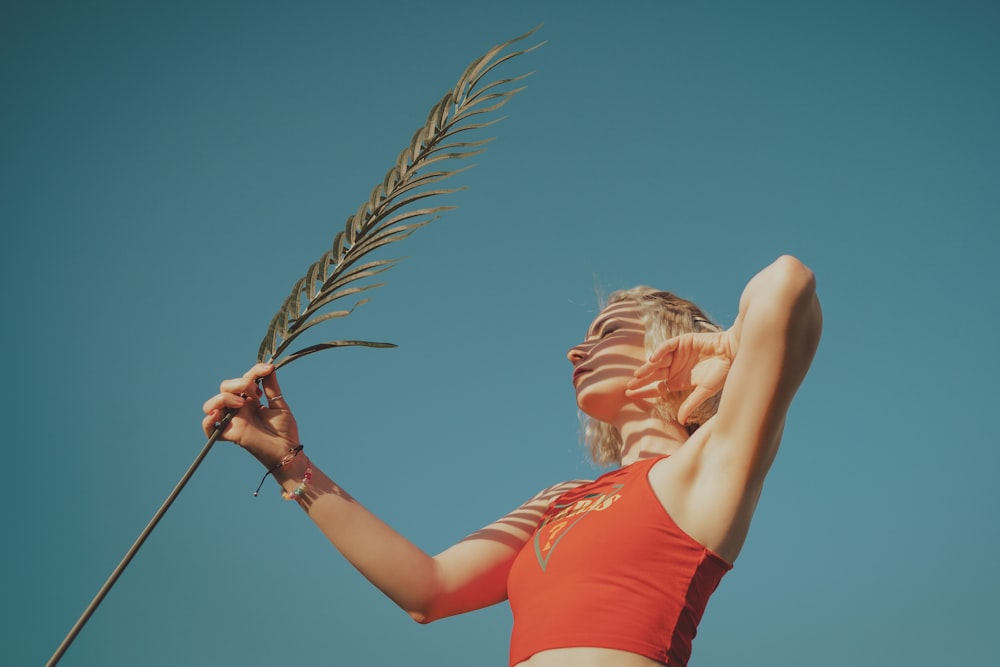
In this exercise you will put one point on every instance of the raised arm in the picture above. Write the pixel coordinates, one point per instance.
(470, 575)
(773, 341)
(713, 487)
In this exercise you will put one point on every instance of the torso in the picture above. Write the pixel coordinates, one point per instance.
(631, 548)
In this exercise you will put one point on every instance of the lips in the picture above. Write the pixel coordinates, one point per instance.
(578, 372)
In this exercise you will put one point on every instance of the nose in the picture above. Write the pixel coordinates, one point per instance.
(576, 354)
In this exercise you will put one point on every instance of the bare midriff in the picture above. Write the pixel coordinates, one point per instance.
(585, 656)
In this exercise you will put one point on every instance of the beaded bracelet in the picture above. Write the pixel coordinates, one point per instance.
(296, 493)
(285, 460)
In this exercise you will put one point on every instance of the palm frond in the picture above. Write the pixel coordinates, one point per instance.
(381, 220)
(386, 217)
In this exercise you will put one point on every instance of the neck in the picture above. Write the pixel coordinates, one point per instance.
(648, 436)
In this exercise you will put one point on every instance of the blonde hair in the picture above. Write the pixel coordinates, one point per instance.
(663, 315)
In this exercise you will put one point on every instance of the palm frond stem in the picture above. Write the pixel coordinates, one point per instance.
(378, 222)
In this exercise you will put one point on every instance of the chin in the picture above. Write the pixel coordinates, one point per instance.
(596, 407)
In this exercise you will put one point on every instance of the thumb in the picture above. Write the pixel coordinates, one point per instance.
(697, 396)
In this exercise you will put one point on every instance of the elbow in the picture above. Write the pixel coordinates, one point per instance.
(423, 611)
(799, 285)
(422, 617)
(794, 284)
(793, 297)
(795, 275)
(426, 601)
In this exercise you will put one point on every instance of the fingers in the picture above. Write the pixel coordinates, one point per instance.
(240, 387)
(659, 389)
(217, 407)
(666, 348)
(235, 394)
(247, 384)
(211, 422)
(651, 390)
(225, 400)
(659, 368)
(272, 391)
(698, 396)
(259, 371)
(208, 423)
(651, 378)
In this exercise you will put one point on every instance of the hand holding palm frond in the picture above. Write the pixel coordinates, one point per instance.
(386, 216)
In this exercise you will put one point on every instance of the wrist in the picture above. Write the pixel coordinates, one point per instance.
(292, 470)
(270, 450)
(283, 466)
(295, 489)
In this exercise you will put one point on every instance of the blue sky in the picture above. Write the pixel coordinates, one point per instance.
(168, 170)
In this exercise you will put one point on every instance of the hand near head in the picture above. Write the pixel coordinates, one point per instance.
(698, 362)
(266, 431)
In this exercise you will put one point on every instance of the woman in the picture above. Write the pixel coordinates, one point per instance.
(614, 572)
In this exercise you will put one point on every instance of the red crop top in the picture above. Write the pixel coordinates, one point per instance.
(609, 568)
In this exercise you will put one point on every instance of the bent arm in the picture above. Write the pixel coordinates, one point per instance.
(391, 562)
(774, 339)
(470, 575)
(772, 343)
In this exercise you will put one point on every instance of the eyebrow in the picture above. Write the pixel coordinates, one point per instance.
(600, 325)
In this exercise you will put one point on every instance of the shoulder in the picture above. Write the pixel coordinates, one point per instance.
(532, 510)
(550, 493)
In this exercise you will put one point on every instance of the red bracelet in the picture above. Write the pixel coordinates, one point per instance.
(300, 489)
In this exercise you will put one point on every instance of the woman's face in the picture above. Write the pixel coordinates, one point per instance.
(604, 362)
